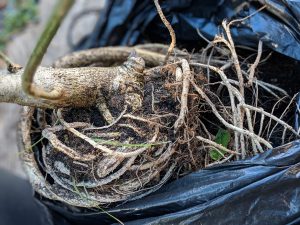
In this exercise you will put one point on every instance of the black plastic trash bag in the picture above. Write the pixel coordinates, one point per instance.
(262, 190)
(128, 22)
(17, 206)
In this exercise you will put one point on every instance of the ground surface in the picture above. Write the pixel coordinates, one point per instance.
(19, 49)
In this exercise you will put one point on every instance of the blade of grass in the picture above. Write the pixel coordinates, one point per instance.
(97, 207)
(120, 144)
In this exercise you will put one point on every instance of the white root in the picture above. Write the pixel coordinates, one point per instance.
(99, 147)
(278, 120)
(187, 76)
(255, 64)
(225, 123)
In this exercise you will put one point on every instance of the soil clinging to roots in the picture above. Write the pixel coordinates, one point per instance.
(196, 110)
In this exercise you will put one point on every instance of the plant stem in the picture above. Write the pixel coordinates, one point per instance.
(61, 9)
(6, 60)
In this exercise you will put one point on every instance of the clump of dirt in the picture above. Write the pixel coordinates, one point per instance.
(197, 110)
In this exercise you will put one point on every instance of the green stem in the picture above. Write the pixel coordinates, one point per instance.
(61, 9)
(6, 60)
(11, 67)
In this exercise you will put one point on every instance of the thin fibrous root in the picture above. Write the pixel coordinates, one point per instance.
(99, 147)
(225, 123)
(216, 145)
(261, 110)
(169, 27)
(255, 64)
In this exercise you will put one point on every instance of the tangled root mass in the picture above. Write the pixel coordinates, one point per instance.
(73, 156)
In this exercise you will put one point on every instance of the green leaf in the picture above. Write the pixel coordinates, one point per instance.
(222, 138)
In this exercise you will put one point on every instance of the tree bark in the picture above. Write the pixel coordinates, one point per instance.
(80, 87)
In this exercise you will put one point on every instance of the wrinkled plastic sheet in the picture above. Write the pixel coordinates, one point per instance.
(128, 22)
(264, 189)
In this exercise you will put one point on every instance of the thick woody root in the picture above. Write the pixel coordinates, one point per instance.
(89, 158)
(78, 87)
